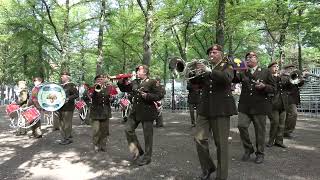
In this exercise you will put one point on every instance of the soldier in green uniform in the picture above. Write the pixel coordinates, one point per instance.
(279, 106)
(65, 113)
(159, 119)
(22, 101)
(100, 113)
(215, 108)
(293, 100)
(254, 105)
(145, 92)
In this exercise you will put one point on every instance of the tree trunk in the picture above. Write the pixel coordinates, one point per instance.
(299, 42)
(124, 65)
(65, 40)
(25, 64)
(230, 45)
(165, 64)
(220, 23)
(148, 15)
(147, 39)
(100, 58)
(82, 54)
(182, 50)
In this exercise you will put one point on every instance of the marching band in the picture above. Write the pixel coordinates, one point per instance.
(265, 92)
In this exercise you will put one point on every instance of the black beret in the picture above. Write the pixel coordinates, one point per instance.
(65, 73)
(272, 63)
(99, 76)
(144, 67)
(289, 66)
(251, 53)
(214, 47)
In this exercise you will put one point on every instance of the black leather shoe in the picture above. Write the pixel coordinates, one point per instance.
(65, 142)
(219, 179)
(280, 145)
(103, 149)
(159, 126)
(135, 157)
(269, 144)
(246, 156)
(206, 174)
(143, 162)
(288, 135)
(259, 159)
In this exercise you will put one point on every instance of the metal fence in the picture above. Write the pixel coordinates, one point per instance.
(310, 96)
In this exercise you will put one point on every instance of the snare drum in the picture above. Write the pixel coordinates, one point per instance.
(79, 105)
(31, 114)
(124, 102)
(11, 108)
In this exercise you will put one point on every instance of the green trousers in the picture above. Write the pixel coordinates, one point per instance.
(65, 124)
(219, 127)
(100, 129)
(291, 119)
(193, 112)
(259, 124)
(133, 142)
(277, 123)
(36, 129)
(56, 119)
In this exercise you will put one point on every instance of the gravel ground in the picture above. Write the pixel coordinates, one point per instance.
(174, 154)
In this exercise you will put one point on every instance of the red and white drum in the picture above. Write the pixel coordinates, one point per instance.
(31, 114)
(124, 102)
(79, 105)
(11, 108)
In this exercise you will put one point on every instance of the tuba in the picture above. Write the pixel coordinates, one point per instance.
(295, 77)
(176, 66)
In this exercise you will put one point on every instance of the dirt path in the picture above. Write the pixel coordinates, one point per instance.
(174, 154)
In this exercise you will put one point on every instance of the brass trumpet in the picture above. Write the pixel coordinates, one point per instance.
(97, 87)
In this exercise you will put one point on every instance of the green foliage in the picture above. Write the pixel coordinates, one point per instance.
(30, 45)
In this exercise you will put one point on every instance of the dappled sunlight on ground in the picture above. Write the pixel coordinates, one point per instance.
(174, 154)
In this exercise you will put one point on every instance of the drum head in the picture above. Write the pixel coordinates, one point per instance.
(51, 97)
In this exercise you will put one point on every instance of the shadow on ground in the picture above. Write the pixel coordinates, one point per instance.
(174, 154)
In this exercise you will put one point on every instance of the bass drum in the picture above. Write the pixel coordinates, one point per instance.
(51, 97)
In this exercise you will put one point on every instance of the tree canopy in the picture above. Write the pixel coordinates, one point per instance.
(86, 37)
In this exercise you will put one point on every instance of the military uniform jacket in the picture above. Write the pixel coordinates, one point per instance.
(33, 100)
(280, 98)
(100, 106)
(294, 93)
(216, 98)
(71, 94)
(143, 109)
(194, 93)
(255, 101)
